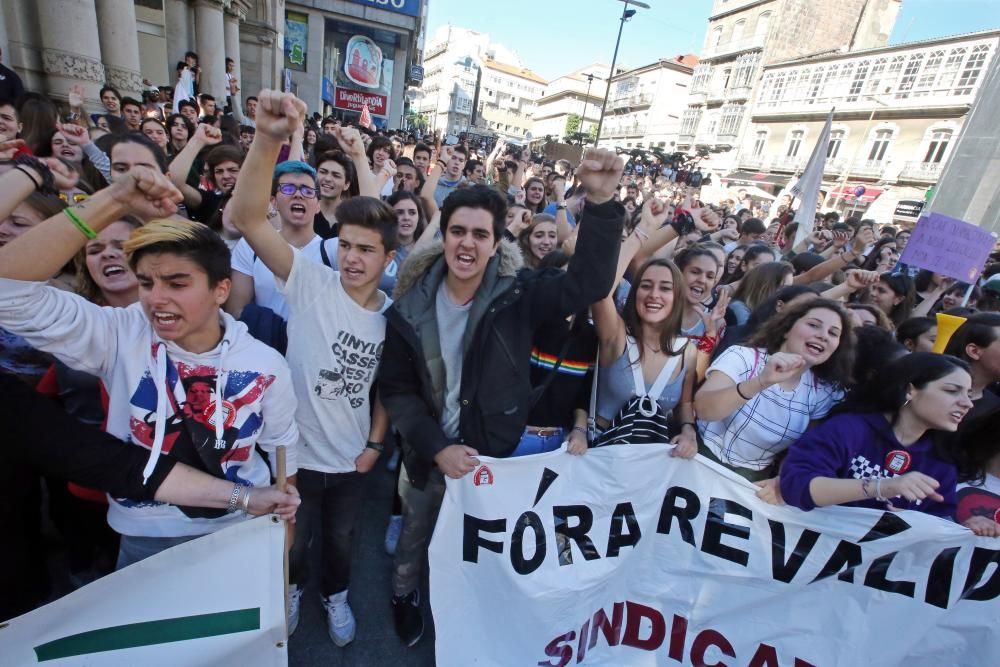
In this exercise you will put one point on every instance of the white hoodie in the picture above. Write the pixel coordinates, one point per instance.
(119, 346)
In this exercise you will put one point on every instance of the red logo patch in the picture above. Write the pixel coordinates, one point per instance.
(898, 461)
(228, 410)
(483, 476)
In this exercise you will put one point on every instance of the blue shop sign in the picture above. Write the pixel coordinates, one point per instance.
(408, 7)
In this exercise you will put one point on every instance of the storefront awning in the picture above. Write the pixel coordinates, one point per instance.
(761, 179)
(846, 193)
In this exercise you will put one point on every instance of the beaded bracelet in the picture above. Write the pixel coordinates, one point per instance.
(234, 498)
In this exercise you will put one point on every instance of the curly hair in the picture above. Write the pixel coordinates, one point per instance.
(835, 370)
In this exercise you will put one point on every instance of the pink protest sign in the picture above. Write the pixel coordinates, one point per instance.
(949, 246)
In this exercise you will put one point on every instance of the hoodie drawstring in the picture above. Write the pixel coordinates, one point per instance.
(160, 428)
(220, 416)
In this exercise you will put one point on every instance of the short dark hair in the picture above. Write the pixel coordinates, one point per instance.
(476, 196)
(979, 330)
(370, 213)
(191, 54)
(471, 165)
(753, 226)
(205, 97)
(252, 97)
(421, 147)
(220, 154)
(126, 101)
(350, 174)
(142, 140)
(111, 89)
(186, 103)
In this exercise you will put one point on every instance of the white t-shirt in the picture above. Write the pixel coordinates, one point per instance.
(990, 482)
(772, 420)
(265, 292)
(334, 348)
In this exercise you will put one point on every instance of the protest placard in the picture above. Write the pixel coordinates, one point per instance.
(950, 246)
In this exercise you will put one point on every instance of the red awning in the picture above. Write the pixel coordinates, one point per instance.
(846, 193)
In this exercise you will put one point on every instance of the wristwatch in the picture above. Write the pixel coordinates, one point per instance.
(377, 446)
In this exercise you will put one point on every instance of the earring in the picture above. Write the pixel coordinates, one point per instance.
(905, 404)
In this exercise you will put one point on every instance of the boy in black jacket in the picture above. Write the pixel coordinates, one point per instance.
(455, 372)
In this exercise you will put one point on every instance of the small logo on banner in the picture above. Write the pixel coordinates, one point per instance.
(483, 476)
(898, 461)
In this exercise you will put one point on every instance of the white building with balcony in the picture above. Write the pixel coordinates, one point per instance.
(452, 63)
(507, 96)
(646, 105)
(898, 111)
(744, 35)
(579, 94)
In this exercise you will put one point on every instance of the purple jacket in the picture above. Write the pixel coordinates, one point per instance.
(855, 446)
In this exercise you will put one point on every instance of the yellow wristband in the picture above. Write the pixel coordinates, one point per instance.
(80, 224)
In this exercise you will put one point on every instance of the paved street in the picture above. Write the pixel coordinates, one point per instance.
(376, 642)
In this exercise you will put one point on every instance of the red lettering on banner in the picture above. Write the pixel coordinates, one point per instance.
(355, 100)
(642, 619)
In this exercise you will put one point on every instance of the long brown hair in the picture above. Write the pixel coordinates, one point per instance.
(762, 282)
(671, 327)
(837, 369)
(524, 238)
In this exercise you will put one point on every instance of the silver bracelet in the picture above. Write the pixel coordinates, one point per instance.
(878, 490)
(234, 498)
(246, 500)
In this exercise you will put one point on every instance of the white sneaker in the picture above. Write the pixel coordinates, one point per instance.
(392, 532)
(339, 618)
(294, 597)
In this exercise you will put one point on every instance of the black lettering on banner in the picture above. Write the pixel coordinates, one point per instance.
(940, 577)
(785, 570)
(561, 514)
(521, 564)
(716, 527)
(878, 577)
(657, 627)
(684, 515)
(616, 539)
(981, 560)
(846, 555)
(472, 540)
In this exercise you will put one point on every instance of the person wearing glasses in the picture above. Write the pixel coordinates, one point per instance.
(293, 205)
(336, 331)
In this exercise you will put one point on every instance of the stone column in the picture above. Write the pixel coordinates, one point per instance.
(120, 45)
(210, 37)
(71, 51)
(232, 33)
(177, 21)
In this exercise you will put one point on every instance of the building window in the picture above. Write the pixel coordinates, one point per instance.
(875, 79)
(760, 143)
(909, 77)
(738, 31)
(763, 24)
(795, 142)
(815, 85)
(939, 144)
(859, 81)
(973, 67)
(926, 81)
(833, 148)
(779, 87)
(716, 36)
(879, 147)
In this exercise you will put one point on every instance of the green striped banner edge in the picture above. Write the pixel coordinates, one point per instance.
(150, 633)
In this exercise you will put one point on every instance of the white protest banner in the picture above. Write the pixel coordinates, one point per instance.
(628, 556)
(217, 600)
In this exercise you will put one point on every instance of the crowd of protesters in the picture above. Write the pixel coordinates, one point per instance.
(198, 285)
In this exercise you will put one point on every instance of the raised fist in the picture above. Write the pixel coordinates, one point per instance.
(279, 114)
(600, 171)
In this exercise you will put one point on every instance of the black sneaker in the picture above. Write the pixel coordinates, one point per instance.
(406, 613)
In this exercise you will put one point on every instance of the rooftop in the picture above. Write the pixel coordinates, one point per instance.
(514, 70)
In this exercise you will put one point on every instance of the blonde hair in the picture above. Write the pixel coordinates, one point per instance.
(191, 240)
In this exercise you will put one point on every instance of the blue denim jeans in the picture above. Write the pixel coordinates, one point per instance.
(532, 443)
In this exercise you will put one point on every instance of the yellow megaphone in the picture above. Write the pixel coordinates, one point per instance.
(947, 325)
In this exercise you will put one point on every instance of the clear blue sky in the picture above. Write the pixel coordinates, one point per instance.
(554, 37)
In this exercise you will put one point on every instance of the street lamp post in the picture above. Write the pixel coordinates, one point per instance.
(626, 15)
(586, 101)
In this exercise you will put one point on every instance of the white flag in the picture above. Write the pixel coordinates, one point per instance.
(216, 600)
(808, 185)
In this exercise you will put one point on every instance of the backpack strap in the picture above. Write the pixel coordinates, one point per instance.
(323, 255)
